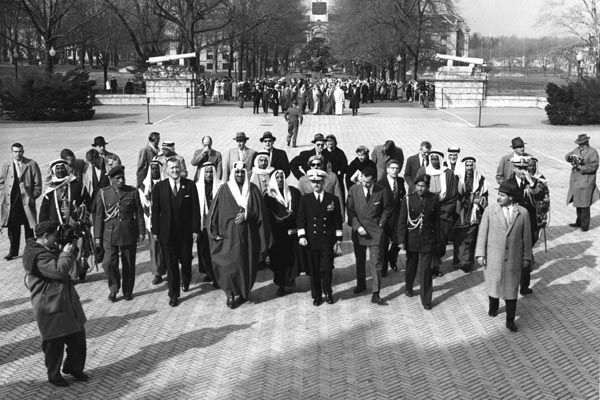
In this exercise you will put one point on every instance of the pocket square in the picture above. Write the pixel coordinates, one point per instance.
(376, 203)
(187, 195)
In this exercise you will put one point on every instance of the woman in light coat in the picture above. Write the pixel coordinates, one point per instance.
(503, 249)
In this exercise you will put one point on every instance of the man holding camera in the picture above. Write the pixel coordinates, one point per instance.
(118, 222)
(55, 302)
(583, 191)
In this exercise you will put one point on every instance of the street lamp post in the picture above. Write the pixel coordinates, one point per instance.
(579, 59)
(15, 60)
(51, 53)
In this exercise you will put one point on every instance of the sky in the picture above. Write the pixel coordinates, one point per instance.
(502, 17)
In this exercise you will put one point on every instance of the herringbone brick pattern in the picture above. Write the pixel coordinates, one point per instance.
(284, 348)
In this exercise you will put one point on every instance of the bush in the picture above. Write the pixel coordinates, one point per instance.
(38, 96)
(574, 104)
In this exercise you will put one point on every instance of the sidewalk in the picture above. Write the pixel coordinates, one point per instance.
(285, 348)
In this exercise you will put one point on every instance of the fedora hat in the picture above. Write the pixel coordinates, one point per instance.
(517, 142)
(240, 136)
(267, 135)
(99, 141)
(582, 138)
(318, 138)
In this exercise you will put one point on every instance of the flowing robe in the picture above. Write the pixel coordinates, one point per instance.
(338, 94)
(236, 257)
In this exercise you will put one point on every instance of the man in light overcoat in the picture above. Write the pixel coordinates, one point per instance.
(504, 249)
(583, 191)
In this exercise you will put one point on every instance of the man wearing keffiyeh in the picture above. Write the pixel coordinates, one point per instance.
(282, 203)
(208, 184)
(240, 235)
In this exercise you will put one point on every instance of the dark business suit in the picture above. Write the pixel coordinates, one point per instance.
(146, 154)
(390, 255)
(321, 224)
(174, 220)
(372, 215)
(413, 164)
(421, 242)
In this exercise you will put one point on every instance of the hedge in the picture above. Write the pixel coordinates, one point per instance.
(38, 96)
(577, 103)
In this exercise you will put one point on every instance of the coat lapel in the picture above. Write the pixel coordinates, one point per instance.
(180, 193)
(512, 223)
(500, 216)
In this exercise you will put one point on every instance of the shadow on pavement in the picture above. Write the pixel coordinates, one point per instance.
(94, 328)
(13, 302)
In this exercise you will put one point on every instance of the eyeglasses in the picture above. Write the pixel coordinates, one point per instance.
(319, 144)
(315, 164)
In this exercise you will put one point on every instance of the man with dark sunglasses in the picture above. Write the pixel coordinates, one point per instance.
(299, 164)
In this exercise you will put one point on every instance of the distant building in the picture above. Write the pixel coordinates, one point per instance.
(453, 35)
(318, 14)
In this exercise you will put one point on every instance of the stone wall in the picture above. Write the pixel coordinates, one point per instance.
(166, 85)
(459, 87)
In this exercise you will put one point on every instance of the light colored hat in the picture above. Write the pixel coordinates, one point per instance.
(316, 175)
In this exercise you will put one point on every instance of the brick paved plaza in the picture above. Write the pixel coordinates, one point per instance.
(284, 348)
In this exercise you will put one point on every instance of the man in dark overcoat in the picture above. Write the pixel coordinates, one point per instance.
(56, 306)
(369, 208)
(419, 233)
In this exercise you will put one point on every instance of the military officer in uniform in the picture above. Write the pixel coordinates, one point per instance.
(118, 222)
(419, 233)
(320, 230)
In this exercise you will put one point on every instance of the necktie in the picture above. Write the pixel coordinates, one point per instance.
(423, 162)
(522, 184)
(175, 190)
(394, 188)
(368, 195)
(319, 197)
(19, 168)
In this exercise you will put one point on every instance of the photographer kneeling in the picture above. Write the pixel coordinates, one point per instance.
(56, 305)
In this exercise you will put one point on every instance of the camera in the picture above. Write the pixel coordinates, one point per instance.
(575, 160)
(70, 233)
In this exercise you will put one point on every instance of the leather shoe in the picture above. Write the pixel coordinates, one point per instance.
(585, 228)
(466, 269)
(240, 300)
(128, 297)
(492, 313)
(112, 297)
(383, 273)
(215, 285)
(575, 225)
(207, 279)
(436, 272)
(318, 301)
(525, 291)
(231, 302)
(157, 279)
(394, 267)
(359, 289)
(409, 293)
(61, 382)
(427, 306)
(281, 291)
(378, 300)
(329, 298)
(80, 375)
(511, 326)
(9, 257)
(185, 287)
(173, 301)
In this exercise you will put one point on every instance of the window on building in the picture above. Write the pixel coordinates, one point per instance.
(225, 65)
(209, 66)
(209, 55)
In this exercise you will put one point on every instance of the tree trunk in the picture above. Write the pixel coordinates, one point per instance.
(241, 62)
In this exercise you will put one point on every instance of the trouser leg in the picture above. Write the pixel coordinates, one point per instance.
(294, 133)
(54, 351)
(585, 217)
(185, 255)
(315, 274)
(128, 254)
(360, 253)
(412, 262)
(326, 278)
(578, 210)
(511, 309)
(375, 265)
(14, 237)
(76, 352)
(157, 259)
(111, 267)
(426, 260)
(173, 276)
(494, 304)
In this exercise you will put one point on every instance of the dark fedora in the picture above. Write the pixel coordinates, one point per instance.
(517, 142)
(118, 170)
(99, 141)
(241, 137)
(582, 138)
(318, 138)
(267, 135)
(508, 188)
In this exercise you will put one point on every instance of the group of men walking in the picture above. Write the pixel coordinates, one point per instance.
(241, 213)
